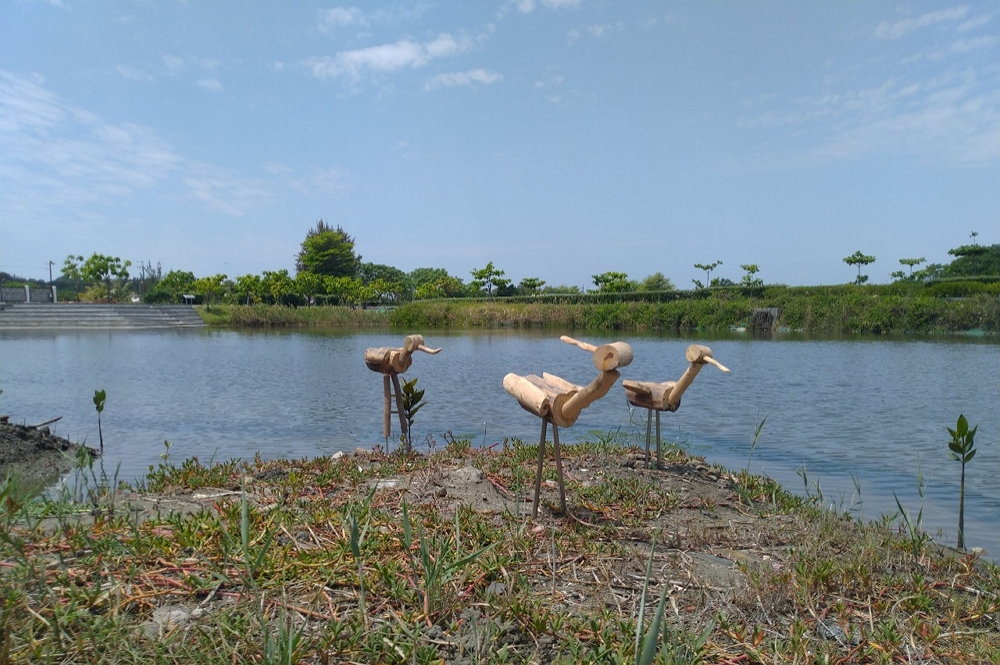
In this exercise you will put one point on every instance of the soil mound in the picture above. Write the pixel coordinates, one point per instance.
(33, 455)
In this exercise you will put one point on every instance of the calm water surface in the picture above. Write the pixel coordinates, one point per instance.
(840, 413)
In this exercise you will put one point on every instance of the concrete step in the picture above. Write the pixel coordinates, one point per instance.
(94, 315)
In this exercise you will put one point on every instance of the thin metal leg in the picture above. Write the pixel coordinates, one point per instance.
(659, 455)
(649, 428)
(538, 471)
(399, 409)
(386, 407)
(559, 470)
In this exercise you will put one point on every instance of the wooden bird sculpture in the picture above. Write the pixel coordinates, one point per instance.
(560, 402)
(390, 363)
(666, 396)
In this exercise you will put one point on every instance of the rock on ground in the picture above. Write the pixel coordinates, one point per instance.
(33, 455)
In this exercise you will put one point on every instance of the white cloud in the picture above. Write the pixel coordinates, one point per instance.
(463, 78)
(210, 84)
(403, 54)
(887, 30)
(174, 64)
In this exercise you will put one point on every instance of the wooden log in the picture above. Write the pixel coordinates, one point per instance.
(576, 342)
(696, 353)
(530, 396)
(570, 410)
(674, 398)
(612, 356)
(649, 395)
(377, 359)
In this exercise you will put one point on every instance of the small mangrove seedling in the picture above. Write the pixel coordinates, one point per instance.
(99, 397)
(961, 448)
(413, 400)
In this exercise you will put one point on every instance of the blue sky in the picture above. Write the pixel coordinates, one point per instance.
(555, 138)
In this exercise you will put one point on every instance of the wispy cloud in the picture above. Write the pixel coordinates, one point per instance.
(899, 29)
(210, 84)
(340, 17)
(55, 154)
(596, 30)
(384, 58)
(528, 6)
(468, 78)
(953, 119)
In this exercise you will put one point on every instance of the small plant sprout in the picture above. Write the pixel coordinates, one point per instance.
(99, 397)
(961, 448)
(413, 400)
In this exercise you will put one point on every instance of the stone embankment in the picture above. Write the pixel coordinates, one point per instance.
(37, 316)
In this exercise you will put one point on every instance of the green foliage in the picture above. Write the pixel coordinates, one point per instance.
(328, 251)
(973, 261)
(858, 259)
(110, 271)
(99, 397)
(211, 289)
(530, 286)
(413, 401)
(172, 287)
(490, 279)
(708, 268)
(613, 282)
(656, 282)
(750, 280)
(962, 449)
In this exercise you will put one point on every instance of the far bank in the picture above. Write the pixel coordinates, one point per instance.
(833, 310)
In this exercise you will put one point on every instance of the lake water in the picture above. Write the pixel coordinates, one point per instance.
(847, 411)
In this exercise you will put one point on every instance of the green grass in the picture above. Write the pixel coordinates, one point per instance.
(304, 561)
(875, 310)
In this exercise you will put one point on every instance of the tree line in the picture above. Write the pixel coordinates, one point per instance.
(329, 271)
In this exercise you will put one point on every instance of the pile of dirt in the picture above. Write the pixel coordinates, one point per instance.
(33, 455)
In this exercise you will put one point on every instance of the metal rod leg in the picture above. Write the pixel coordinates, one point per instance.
(659, 455)
(399, 409)
(386, 407)
(649, 432)
(538, 471)
(559, 470)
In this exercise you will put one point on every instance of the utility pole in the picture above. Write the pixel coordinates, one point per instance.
(52, 292)
(51, 263)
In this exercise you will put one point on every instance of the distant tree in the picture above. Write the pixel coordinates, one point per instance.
(562, 289)
(530, 286)
(174, 284)
(71, 270)
(396, 284)
(328, 251)
(421, 276)
(211, 289)
(278, 285)
(147, 278)
(858, 259)
(911, 263)
(347, 290)
(613, 282)
(248, 289)
(489, 279)
(708, 268)
(750, 279)
(973, 261)
(656, 282)
(974, 235)
(108, 269)
(309, 285)
(442, 287)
